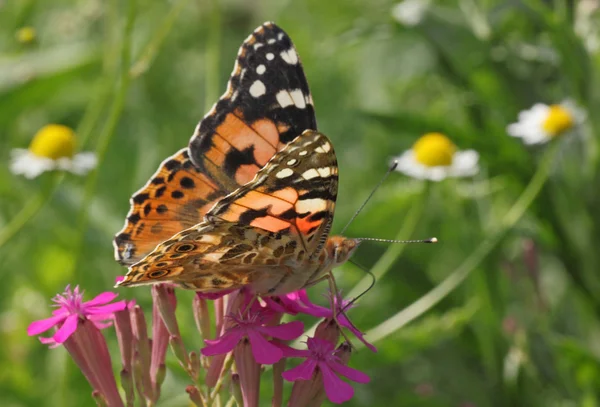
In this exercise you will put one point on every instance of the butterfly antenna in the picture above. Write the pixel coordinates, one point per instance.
(373, 239)
(389, 171)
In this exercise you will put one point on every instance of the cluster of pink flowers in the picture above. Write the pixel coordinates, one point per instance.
(249, 333)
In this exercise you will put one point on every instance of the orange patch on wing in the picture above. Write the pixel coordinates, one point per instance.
(304, 225)
(257, 200)
(233, 213)
(242, 136)
(287, 194)
(245, 173)
(217, 153)
(270, 223)
(267, 129)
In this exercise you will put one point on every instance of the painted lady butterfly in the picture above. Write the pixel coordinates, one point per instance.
(250, 202)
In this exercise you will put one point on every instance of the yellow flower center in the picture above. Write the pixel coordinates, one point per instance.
(25, 35)
(558, 121)
(53, 141)
(434, 150)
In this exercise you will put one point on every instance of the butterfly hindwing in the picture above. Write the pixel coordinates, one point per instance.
(267, 104)
(294, 193)
(177, 196)
(280, 218)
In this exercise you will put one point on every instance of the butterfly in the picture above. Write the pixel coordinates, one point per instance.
(250, 201)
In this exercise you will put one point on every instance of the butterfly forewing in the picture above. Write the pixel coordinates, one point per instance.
(267, 104)
(177, 196)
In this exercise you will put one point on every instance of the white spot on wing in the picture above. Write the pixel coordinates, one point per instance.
(257, 46)
(292, 161)
(280, 36)
(310, 174)
(286, 172)
(261, 69)
(298, 98)
(324, 172)
(311, 205)
(270, 56)
(257, 89)
(271, 41)
(290, 56)
(324, 148)
(284, 99)
(303, 153)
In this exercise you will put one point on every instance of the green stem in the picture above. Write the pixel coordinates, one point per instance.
(109, 129)
(151, 49)
(29, 211)
(394, 251)
(213, 56)
(429, 300)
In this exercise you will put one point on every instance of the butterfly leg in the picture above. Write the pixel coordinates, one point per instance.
(335, 299)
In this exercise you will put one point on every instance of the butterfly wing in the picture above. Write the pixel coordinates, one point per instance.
(262, 231)
(294, 194)
(176, 197)
(266, 105)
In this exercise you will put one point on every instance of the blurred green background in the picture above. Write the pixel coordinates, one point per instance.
(513, 318)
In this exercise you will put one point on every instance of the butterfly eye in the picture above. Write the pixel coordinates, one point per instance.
(158, 273)
(184, 248)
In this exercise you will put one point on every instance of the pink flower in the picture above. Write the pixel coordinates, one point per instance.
(72, 311)
(298, 301)
(321, 354)
(251, 326)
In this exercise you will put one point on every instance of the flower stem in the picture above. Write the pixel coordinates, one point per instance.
(393, 252)
(429, 300)
(151, 49)
(29, 211)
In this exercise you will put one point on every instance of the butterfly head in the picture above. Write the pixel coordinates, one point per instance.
(341, 248)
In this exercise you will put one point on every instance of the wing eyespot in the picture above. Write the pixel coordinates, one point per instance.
(185, 248)
(158, 273)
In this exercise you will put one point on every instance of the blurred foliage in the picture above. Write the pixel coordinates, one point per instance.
(133, 78)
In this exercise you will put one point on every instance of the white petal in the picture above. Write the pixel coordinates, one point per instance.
(529, 127)
(82, 163)
(408, 164)
(25, 163)
(410, 12)
(465, 163)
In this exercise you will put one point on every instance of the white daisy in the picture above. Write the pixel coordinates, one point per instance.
(542, 123)
(410, 12)
(435, 157)
(52, 148)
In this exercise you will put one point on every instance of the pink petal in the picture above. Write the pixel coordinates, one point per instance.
(357, 333)
(100, 299)
(221, 345)
(287, 332)
(37, 327)
(49, 341)
(304, 371)
(264, 352)
(67, 328)
(352, 374)
(106, 309)
(337, 390)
